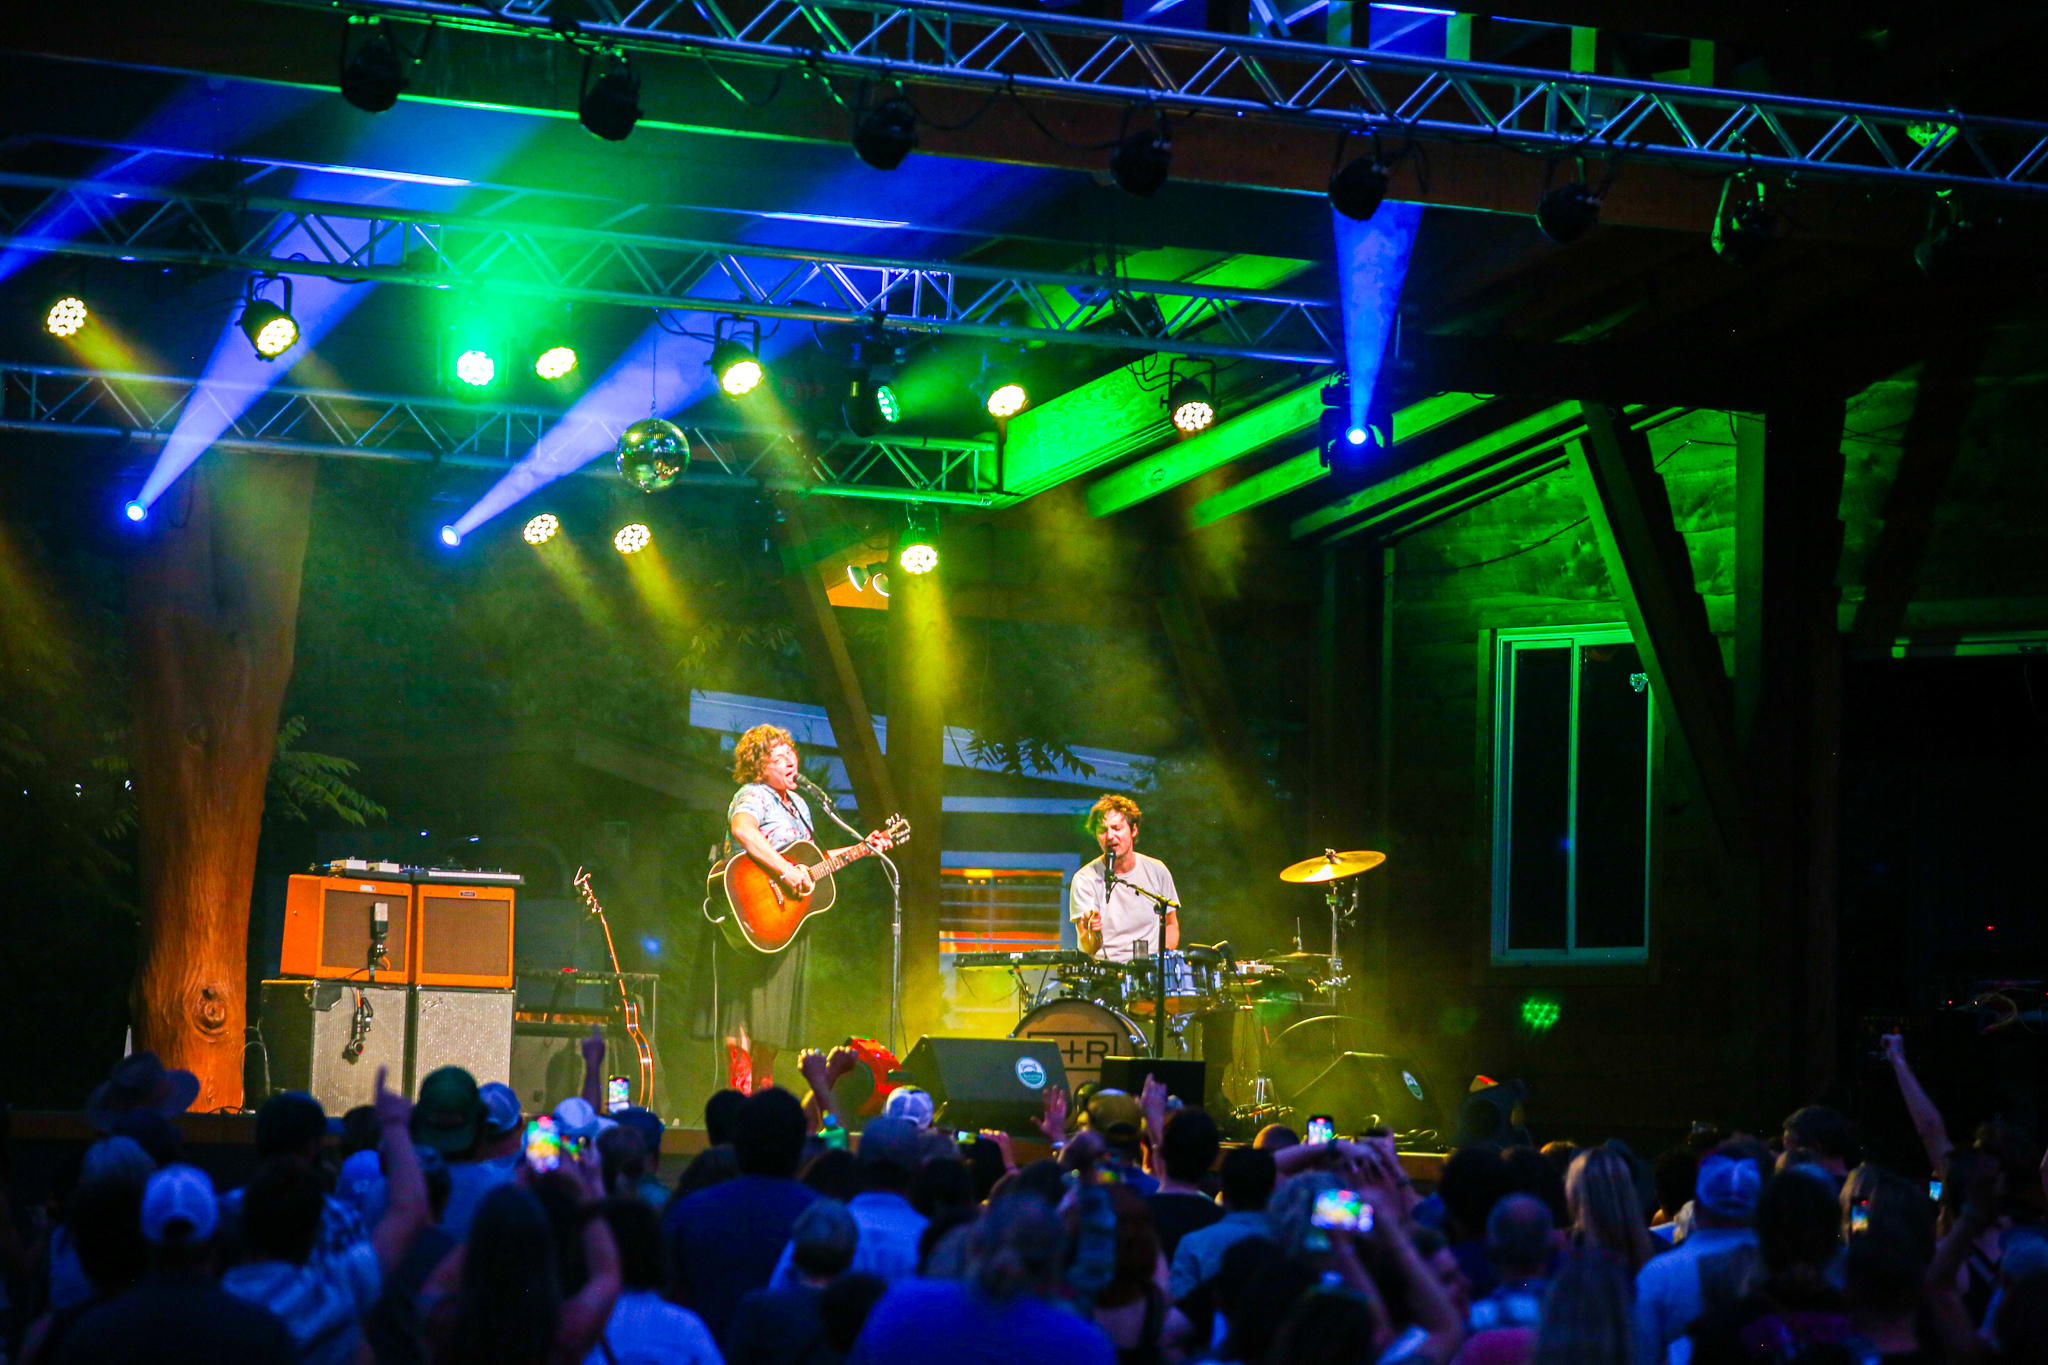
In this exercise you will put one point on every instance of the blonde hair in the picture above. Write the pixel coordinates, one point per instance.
(1116, 802)
(750, 755)
(1607, 1214)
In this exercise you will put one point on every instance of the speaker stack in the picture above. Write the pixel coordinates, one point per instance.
(439, 994)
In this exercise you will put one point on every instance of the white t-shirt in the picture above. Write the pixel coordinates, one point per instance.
(1129, 919)
(646, 1329)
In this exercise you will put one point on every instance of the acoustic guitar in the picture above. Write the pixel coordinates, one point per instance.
(758, 912)
(629, 1008)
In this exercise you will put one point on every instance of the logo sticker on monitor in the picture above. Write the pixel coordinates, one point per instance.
(1414, 1086)
(1031, 1072)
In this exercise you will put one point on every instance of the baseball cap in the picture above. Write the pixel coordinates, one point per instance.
(449, 1111)
(178, 1203)
(645, 1122)
(501, 1108)
(119, 1158)
(288, 1121)
(909, 1102)
(895, 1140)
(1110, 1110)
(575, 1117)
(1727, 1186)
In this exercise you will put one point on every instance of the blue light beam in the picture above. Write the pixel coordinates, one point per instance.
(1372, 264)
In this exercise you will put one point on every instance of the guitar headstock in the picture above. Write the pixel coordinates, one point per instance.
(897, 828)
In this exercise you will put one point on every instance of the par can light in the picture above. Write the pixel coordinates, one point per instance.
(541, 529)
(66, 316)
(557, 362)
(632, 539)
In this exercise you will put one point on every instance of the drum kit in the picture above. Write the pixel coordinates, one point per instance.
(1265, 1023)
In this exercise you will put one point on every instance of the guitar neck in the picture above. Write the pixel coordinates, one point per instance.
(838, 860)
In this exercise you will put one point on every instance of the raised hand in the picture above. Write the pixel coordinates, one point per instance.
(814, 1067)
(593, 1048)
(1003, 1144)
(841, 1061)
(1894, 1048)
(393, 1109)
(1053, 1122)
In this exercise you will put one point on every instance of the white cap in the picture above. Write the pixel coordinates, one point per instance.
(179, 1194)
(909, 1102)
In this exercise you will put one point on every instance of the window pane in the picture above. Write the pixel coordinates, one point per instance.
(1539, 750)
(1614, 737)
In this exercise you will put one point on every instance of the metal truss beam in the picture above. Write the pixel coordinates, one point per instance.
(1545, 113)
(449, 431)
(598, 265)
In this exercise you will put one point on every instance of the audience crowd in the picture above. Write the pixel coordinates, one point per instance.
(432, 1231)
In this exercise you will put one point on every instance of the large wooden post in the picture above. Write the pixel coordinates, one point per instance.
(1788, 542)
(920, 672)
(213, 616)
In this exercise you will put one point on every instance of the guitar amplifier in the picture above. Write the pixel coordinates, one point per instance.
(306, 1026)
(463, 936)
(327, 927)
(467, 1028)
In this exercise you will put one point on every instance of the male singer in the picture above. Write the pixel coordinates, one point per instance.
(1113, 931)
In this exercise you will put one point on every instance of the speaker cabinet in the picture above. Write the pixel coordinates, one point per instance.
(306, 1026)
(986, 1082)
(1361, 1089)
(327, 927)
(466, 1028)
(1183, 1080)
(464, 936)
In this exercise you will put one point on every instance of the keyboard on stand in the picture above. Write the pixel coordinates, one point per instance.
(1036, 957)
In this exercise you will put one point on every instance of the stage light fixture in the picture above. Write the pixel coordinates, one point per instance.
(1356, 435)
(372, 78)
(135, 511)
(737, 364)
(1191, 399)
(541, 529)
(865, 576)
(1001, 388)
(1357, 190)
(887, 404)
(917, 549)
(886, 133)
(556, 362)
(271, 329)
(1568, 212)
(476, 368)
(653, 453)
(1540, 1013)
(450, 537)
(1140, 163)
(1744, 227)
(66, 316)
(631, 540)
(610, 106)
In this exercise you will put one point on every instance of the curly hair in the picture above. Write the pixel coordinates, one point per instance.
(1120, 804)
(750, 755)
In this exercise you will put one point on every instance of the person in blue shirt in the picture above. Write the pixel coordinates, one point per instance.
(725, 1240)
(1006, 1313)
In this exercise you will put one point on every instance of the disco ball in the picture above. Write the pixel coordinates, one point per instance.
(653, 454)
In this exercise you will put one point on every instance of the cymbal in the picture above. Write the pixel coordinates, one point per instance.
(1331, 865)
(1300, 960)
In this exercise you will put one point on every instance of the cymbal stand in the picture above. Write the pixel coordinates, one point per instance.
(1164, 906)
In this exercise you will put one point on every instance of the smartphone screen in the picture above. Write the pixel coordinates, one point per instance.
(1859, 1216)
(1341, 1211)
(543, 1144)
(1934, 1190)
(1321, 1128)
(615, 1095)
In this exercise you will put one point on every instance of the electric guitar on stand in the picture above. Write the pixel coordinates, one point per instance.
(759, 913)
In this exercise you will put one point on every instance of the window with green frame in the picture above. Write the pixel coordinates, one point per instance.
(1572, 761)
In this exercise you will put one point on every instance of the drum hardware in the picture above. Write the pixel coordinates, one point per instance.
(1331, 869)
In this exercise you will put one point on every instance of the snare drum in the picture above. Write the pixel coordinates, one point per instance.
(1184, 994)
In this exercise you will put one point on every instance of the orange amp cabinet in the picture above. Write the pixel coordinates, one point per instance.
(327, 924)
(462, 931)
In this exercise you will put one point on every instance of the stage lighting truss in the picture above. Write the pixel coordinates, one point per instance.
(567, 264)
(270, 327)
(478, 433)
(1274, 77)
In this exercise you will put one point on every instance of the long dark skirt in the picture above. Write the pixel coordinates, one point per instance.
(766, 992)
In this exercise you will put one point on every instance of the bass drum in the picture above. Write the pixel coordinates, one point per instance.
(1086, 1033)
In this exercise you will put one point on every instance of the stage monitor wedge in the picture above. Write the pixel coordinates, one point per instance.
(986, 1082)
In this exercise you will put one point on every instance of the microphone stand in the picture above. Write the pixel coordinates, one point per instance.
(895, 912)
(1162, 906)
